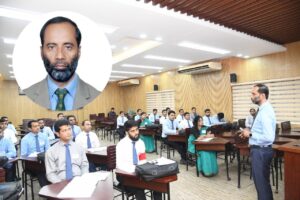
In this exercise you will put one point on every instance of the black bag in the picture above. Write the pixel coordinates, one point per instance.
(41, 157)
(10, 190)
(150, 171)
(3, 160)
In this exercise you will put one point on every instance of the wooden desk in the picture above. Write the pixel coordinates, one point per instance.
(98, 157)
(216, 144)
(291, 169)
(103, 190)
(159, 185)
(177, 138)
(290, 134)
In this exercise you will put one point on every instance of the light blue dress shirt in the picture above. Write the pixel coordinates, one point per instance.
(137, 117)
(167, 128)
(48, 132)
(28, 145)
(7, 148)
(70, 96)
(153, 117)
(207, 121)
(264, 126)
(12, 127)
(76, 129)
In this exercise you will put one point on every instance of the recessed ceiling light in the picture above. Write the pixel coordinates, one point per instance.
(8, 56)
(141, 66)
(153, 57)
(113, 76)
(143, 36)
(246, 57)
(126, 72)
(9, 41)
(239, 55)
(158, 39)
(10, 65)
(201, 47)
(113, 46)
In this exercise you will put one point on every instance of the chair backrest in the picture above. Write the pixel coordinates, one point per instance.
(93, 117)
(2, 175)
(101, 115)
(242, 123)
(111, 157)
(286, 126)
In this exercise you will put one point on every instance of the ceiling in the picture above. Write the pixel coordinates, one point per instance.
(276, 21)
(137, 31)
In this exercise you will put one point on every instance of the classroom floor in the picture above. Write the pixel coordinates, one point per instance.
(190, 187)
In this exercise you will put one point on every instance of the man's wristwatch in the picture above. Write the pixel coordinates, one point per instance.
(250, 134)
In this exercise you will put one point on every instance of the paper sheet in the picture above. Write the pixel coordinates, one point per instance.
(33, 155)
(162, 161)
(205, 140)
(83, 186)
(97, 149)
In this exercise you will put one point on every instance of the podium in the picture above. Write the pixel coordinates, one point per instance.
(291, 169)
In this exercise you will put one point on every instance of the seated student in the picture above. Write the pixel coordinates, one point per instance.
(7, 148)
(154, 116)
(75, 129)
(207, 119)
(250, 118)
(46, 130)
(9, 124)
(88, 139)
(206, 160)
(58, 117)
(130, 151)
(220, 117)
(180, 116)
(34, 142)
(138, 114)
(187, 122)
(147, 139)
(163, 117)
(120, 122)
(8, 133)
(112, 114)
(193, 113)
(65, 159)
(169, 128)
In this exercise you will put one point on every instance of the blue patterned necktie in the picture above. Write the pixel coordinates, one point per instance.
(37, 144)
(134, 154)
(61, 93)
(73, 133)
(69, 173)
(172, 124)
(209, 120)
(189, 123)
(89, 144)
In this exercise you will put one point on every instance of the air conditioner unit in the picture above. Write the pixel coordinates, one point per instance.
(201, 68)
(129, 82)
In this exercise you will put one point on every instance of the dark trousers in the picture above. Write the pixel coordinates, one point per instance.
(261, 159)
(41, 176)
(140, 193)
(10, 172)
(179, 146)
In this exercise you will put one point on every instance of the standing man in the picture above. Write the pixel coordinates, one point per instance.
(112, 114)
(62, 89)
(65, 159)
(261, 137)
(75, 129)
(46, 130)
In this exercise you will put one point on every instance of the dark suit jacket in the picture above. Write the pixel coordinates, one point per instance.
(85, 93)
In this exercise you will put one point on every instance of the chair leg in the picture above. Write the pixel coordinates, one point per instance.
(31, 184)
(280, 171)
(272, 171)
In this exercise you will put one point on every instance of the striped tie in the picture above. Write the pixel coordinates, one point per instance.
(61, 93)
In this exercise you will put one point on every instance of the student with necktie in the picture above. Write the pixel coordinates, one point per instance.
(180, 116)
(88, 139)
(138, 114)
(154, 116)
(65, 159)
(120, 124)
(163, 116)
(35, 142)
(207, 119)
(130, 151)
(187, 122)
(46, 130)
(75, 129)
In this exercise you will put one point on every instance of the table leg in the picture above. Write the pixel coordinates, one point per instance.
(169, 196)
(238, 156)
(276, 171)
(226, 161)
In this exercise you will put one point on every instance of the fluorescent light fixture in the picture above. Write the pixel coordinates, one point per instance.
(113, 46)
(16, 13)
(143, 36)
(159, 71)
(125, 72)
(9, 41)
(158, 39)
(239, 55)
(108, 28)
(10, 65)
(8, 56)
(113, 76)
(153, 57)
(140, 66)
(246, 57)
(201, 47)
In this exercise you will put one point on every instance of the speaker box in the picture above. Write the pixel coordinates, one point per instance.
(155, 87)
(233, 78)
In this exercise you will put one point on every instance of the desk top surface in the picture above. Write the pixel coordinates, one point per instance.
(215, 140)
(293, 147)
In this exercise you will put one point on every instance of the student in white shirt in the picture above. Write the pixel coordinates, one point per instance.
(207, 119)
(9, 124)
(250, 118)
(187, 122)
(193, 113)
(46, 130)
(120, 124)
(180, 116)
(138, 114)
(130, 151)
(8, 133)
(75, 129)
(88, 139)
(154, 116)
(163, 117)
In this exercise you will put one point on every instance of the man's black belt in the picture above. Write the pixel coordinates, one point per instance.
(260, 146)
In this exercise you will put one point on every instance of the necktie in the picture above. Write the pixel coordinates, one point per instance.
(69, 173)
(181, 117)
(172, 125)
(89, 144)
(61, 93)
(134, 154)
(189, 124)
(122, 120)
(73, 133)
(37, 144)
(42, 130)
(209, 120)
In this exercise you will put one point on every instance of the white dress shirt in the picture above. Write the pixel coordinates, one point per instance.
(137, 117)
(49, 133)
(8, 133)
(208, 121)
(186, 124)
(179, 118)
(162, 119)
(153, 117)
(121, 121)
(81, 140)
(124, 153)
